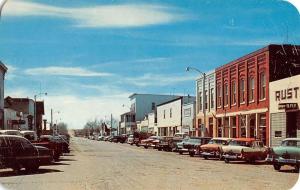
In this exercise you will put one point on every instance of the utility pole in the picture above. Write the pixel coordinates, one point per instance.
(111, 124)
(51, 124)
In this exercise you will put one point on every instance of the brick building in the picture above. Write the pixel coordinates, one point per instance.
(242, 90)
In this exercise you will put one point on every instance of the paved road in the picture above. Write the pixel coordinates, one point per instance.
(104, 165)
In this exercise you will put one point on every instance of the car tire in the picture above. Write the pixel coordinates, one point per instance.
(192, 154)
(159, 149)
(296, 170)
(277, 167)
(16, 168)
(226, 160)
(131, 144)
(146, 147)
(180, 152)
(205, 157)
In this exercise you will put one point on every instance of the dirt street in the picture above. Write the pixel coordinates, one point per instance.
(105, 165)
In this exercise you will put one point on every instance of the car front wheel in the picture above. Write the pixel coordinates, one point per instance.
(277, 167)
(226, 160)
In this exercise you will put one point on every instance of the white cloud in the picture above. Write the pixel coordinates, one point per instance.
(124, 15)
(11, 70)
(150, 79)
(65, 71)
(75, 110)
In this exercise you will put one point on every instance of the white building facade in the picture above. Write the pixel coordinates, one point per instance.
(3, 70)
(284, 100)
(169, 116)
(188, 118)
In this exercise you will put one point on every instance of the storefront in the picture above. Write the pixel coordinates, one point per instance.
(284, 109)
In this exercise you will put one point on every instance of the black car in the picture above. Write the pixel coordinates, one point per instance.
(119, 139)
(191, 145)
(17, 152)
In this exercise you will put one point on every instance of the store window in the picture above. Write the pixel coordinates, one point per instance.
(262, 86)
(278, 133)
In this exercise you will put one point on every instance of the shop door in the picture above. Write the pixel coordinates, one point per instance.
(291, 128)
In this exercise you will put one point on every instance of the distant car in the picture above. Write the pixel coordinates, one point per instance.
(130, 140)
(139, 136)
(165, 144)
(245, 149)
(191, 145)
(119, 139)
(17, 152)
(179, 144)
(101, 138)
(214, 148)
(150, 142)
(106, 138)
(288, 153)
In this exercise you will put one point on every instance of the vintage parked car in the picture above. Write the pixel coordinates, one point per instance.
(10, 132)
(119, 139)
(130, 139)
(101, 138)
(179, 144)
(49, 142)
(191, 146)
(288, 153)
(165, 144)
(139, 136)
(213, 149)
(246, 149)
(17, 152)
(30, 135)
(106, 138)
(150, 142)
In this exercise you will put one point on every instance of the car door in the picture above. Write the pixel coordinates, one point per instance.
(24, 150)
(5, 152)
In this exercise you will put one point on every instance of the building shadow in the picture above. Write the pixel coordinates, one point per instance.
(59, 164)
(11, 173)
(248, 163)
(66, 159)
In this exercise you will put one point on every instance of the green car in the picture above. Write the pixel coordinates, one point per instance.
(288, 153)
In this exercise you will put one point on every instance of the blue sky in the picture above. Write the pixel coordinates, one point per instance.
(89, 56)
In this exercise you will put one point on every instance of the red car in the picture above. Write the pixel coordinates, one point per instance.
(152, 141)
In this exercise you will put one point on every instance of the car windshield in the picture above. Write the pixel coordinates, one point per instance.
(240, 143)
(193, 140)
(292, 143)
(218, 141)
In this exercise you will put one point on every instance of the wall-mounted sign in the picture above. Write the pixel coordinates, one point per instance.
(288, 106)
(288, 93)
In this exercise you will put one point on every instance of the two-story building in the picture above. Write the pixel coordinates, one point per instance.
(24, 108)
(169, 116)
(141, 106)
(3, 70)
(242, 90)
(205, 105)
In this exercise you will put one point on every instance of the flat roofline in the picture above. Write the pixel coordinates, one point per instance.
(249, 55)
(134, 94)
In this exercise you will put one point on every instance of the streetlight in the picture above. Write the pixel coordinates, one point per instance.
(58, 112)
(35, 96)
(203, 93)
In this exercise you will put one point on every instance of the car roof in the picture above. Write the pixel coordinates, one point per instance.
(27, 131)
(9, 130)
(9, 136)
(222, 138)
(244, 139)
